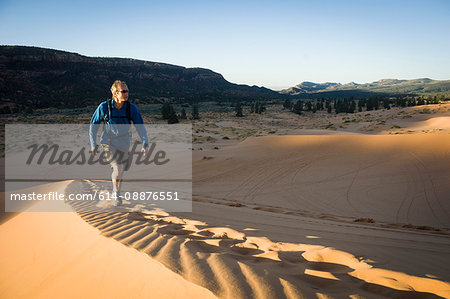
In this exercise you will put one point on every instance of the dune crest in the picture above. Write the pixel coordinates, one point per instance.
(58, 255)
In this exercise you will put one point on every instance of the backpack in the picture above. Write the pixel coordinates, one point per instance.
(128, 109)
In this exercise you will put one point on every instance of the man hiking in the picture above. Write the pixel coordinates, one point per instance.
(117, 114)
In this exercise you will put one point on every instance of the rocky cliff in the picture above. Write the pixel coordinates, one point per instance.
(39, 77)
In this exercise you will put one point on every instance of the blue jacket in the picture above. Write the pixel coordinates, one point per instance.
(116, 131)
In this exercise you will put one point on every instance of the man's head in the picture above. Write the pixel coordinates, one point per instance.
(119, 91)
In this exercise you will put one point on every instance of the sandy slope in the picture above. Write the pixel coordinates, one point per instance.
(390, 178)
(273, 217)
(239, 252)
(58, 255)
(440, 124)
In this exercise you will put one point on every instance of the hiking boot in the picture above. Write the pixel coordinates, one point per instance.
(117, 199)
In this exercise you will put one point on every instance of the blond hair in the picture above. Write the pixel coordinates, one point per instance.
(115, 84)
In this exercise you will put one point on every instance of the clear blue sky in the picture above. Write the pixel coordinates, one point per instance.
(265, 43)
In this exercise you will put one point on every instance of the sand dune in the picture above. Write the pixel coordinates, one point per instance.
(390, 178)
(440, 124)
(318, 216)
(237, 262)
(57, 255)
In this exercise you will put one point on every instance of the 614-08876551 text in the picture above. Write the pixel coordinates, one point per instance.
(139, 196)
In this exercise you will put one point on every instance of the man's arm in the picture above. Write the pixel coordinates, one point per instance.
(96, 120)
(139, 124)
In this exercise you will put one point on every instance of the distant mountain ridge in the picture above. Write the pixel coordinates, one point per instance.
(383, 86)
(39, 77)
(307, 87)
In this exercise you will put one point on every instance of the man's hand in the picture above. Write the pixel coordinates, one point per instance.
(94, 150)
(144, 150)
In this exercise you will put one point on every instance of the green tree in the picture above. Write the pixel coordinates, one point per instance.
(287, 104)
(369, 105)
(261, 108)
(298, 107)
(308, 106)
(165, 110)
(352, 107)
(361, 103)
(183, 114)
(319, 105)
(173, 119)
(195, 113)
(238, 110)
(257, 107)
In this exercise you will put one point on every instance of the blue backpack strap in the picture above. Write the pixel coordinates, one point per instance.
(109, 116)
(129, 112)
(109, 102)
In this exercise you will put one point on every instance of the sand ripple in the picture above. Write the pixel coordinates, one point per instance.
(233, 265)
